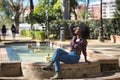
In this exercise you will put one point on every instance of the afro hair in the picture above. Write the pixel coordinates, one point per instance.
(84, 30)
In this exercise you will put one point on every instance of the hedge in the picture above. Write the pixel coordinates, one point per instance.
(110, 26)
(40, 35)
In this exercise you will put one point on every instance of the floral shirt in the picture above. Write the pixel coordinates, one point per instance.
(76, 45)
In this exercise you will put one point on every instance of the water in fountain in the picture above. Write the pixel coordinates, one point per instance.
(21, 52)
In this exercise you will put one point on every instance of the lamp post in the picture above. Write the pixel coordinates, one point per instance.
(100, 37)
(2, 22)
(46, 12)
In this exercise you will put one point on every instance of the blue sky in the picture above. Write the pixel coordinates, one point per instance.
(27, 2)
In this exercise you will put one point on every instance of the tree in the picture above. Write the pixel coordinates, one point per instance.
(44, 10)
(65, 8)
(31, 11)
(31, 5)
(73, 5)
(6, 13)
(17, 8)
(117, 11)
(88, 1)
(86, 8)
(57, 9)
(81, 14)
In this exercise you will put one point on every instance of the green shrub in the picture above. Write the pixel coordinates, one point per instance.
(110, 26)
(23, 32)
(40, 35)
(29, 33)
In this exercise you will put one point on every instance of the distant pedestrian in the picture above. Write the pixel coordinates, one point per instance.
(4, 30)
(13, 30)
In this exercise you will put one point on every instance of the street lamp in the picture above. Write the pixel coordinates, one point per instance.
(100, 37)
(46, 12)
(2, 22)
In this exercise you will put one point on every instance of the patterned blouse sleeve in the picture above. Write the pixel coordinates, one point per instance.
(71, 30)
(73, 41)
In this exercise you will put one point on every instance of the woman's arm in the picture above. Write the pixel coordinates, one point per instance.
(73, 41)
(71, 30)
(84, 46)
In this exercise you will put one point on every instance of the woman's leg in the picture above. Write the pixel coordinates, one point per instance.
(58, 52)
(63, 56)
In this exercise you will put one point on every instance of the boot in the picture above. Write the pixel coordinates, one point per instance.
(49, 67)
(56, 76)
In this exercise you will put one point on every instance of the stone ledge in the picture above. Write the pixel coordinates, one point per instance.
(75, 71)
(107, 63)
(10, 69)
(13, 78)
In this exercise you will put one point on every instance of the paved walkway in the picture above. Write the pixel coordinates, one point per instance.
(108, 48)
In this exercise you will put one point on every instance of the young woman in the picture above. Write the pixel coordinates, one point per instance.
(78, 44)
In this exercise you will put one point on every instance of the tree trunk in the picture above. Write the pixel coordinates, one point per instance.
(31, 5)
(16, 21)
(87, 9)
(75, 14)
(31, 9)
(65, 9)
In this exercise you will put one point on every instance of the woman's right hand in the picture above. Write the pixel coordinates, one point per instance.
(88, 61)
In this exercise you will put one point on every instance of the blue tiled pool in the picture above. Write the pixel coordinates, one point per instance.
(21, 52)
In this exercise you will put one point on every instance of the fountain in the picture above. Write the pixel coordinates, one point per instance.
(35, 52)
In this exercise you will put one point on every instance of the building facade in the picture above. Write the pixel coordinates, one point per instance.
(94, 9)
(108, 9)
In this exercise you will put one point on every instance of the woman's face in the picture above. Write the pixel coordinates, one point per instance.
(77, 31)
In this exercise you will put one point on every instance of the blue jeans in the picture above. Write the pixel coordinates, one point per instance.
(63, 56)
